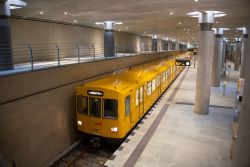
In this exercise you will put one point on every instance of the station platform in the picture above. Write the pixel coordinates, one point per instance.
(172, 135)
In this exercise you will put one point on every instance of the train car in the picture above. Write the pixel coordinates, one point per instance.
(110, 107)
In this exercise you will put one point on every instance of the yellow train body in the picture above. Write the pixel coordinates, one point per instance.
(112, 106)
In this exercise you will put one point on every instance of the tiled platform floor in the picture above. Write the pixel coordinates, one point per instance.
(172, 135)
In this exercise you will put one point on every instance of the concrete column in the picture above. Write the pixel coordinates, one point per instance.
(242, 148)
(109, 37)
(177, 46)
(223, 55)
(206, 50)
(217, 59)
(109, 43)
(6, 59)
(243, 55)
(165, 45)
(237, 55)
(204, 69)
(173, 45)
(154, 43)
(169, 45)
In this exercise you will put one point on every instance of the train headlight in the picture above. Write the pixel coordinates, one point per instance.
(79, 123)
(187, 63)
(114, 129)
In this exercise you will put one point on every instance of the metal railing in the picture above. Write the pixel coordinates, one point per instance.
(29, 57)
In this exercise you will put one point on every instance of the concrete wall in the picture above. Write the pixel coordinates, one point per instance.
(44, 35)
(37, 109)
(132, 41)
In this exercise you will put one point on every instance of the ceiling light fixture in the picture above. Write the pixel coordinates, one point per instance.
(108, 25)
(41, 13)
(179, 23)
(65, 13)
(75, 21)
(171, 13)
(244, 29)
(15, 4)
(196, 0)
(206, 16)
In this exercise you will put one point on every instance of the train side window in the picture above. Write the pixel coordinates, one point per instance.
(153, 85)
(166, 74)
(127, 105)
(82, 104)
(110, 108)
(163, 77)
(149, 89)
(95, 107)
(137, 97)
(158, 81)
(141, 94)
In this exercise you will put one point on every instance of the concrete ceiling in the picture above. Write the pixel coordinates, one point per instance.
(143, 17)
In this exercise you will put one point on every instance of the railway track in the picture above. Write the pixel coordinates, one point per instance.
(87, 156)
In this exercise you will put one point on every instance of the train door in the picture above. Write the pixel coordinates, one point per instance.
(158, 78)
(127, 117)
(137, 102)
(135, 110)
(169, 75)
(140, 101)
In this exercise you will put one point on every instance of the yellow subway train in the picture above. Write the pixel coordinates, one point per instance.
(112, 106)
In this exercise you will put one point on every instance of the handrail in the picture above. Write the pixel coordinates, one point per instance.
(30, 57)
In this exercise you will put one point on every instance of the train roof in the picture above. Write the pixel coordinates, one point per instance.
(135, 76)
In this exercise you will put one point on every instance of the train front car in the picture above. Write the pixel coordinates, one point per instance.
(99, 112)
(109, 108)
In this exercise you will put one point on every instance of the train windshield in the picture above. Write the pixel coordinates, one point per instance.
(95, 107)
(82, 104)
(110, 108)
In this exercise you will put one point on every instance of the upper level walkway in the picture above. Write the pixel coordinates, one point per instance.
(32, 57)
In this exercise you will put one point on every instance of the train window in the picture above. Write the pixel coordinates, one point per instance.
(127, 105)
(164, 76)
(137, 97)
(110, 108)
(149, 90)
(158, 80)
(153, 85)
(141, 94)
(82, 104)
(95, 107)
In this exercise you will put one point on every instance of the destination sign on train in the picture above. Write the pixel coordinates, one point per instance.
(95, 93)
